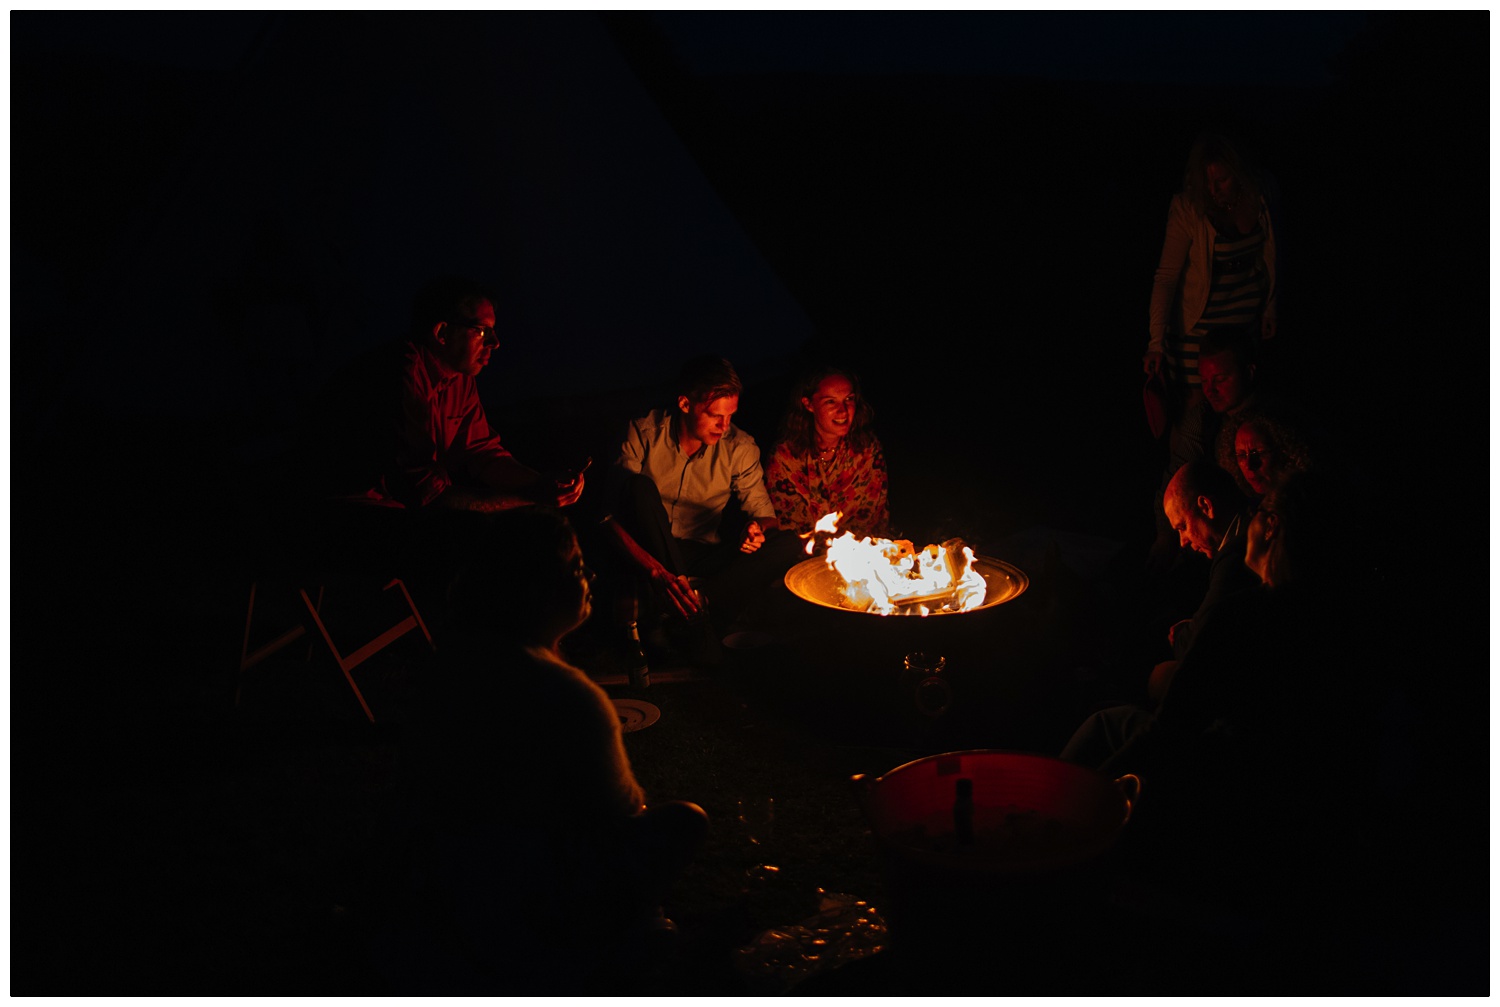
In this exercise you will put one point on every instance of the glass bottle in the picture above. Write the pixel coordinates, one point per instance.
(635, 654)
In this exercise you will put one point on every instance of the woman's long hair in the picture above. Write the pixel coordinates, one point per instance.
(797, 422)
(1308, 540)
(1208, 148)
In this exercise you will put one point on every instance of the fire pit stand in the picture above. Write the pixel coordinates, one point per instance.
(948, 660)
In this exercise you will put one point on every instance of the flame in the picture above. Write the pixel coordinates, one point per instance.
(891, 577)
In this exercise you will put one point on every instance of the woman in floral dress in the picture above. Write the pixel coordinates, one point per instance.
(828, 458)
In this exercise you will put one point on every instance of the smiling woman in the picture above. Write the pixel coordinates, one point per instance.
(828, 458)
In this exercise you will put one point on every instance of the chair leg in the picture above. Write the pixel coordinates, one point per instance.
(249, 659)
(344, 666)
(396, 582)
(317, 608)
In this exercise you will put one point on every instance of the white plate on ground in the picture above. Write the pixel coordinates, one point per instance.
(636, 714)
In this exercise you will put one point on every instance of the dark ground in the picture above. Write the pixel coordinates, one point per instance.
(165, 841)
(202, 846)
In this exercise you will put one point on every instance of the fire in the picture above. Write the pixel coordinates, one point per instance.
(891, 577)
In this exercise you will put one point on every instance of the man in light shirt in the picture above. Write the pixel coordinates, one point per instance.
(689, 497)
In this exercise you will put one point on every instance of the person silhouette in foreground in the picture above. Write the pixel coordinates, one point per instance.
(540, 867)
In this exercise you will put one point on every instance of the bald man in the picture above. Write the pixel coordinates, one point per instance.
(1207, 511)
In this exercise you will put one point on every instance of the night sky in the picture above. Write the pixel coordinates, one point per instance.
(210, 213)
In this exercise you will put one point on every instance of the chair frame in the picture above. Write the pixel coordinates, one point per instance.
(347, 663)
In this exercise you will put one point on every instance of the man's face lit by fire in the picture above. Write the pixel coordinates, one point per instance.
(832, 406)
(465, 341)
(1226, 384)
(1189, 520)
(707, 422)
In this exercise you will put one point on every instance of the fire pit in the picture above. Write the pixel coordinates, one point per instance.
(896, 600)
(815, 581)
(879, 576)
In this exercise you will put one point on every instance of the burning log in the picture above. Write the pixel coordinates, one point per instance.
(891, 577)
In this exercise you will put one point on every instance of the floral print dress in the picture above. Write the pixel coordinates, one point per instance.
(804, 488)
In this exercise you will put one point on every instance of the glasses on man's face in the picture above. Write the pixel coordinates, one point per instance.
(486, 332)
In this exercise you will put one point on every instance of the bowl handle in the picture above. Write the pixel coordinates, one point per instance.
(1129, 786)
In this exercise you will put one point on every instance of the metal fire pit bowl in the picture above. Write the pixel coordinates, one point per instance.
(813, 580)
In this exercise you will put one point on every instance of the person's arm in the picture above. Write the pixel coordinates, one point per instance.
(1178, 634)
(788, 498)
(519, 487)
(419, 475)
(750, 489)
(488, 501)
(631, 461)
(1191, 693)
(676, 589)
(1169, 271)
(503, 482)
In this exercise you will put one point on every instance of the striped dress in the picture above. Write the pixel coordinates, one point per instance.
(1236, 298)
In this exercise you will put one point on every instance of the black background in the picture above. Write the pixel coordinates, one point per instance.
(981, 243)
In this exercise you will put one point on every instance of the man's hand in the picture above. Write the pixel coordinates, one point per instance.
(679, 593)
(1151, 363)
(676, 589)
(564, 488)
(1175, 628)
(754, 537)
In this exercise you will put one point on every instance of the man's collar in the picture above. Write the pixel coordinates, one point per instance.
(437, 374)
(1234, 526)
(674, 430)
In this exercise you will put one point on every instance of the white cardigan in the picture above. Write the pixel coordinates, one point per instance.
(1186, 272)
